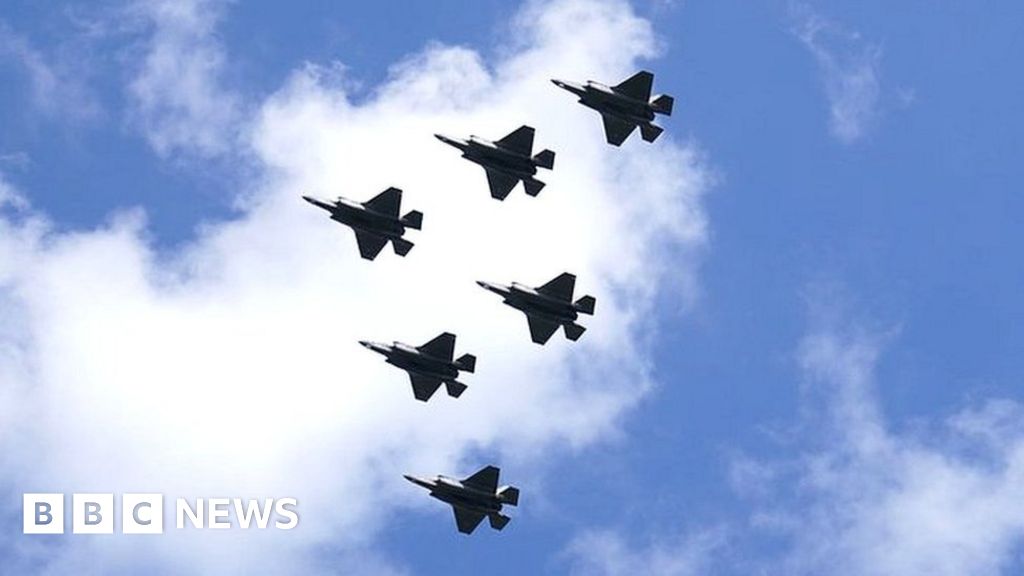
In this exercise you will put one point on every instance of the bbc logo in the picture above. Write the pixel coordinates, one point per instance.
(93, 513)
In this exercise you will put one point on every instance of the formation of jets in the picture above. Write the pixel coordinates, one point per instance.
(548, 307)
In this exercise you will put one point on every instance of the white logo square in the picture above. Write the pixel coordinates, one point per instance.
(43, 513)
(92, 513)
(142, 514)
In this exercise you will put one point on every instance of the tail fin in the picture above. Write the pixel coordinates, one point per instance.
(509, 495)
(498, 521)
(545, 159)
(401, 246)
(413, 220)
(662, 104)
(650, 132)
(573, 331)
(585, 305)
(466, 363)
(532, 186)
(455, 389)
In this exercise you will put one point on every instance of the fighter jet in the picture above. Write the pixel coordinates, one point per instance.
(624, 106)
(472, 498)
(547, 307)
(428, 365)
(375, 221)
(506, 161)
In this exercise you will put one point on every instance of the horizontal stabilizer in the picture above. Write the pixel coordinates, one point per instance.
(509, 495)
(545, 159)
(650, 132)
(413, 220)
(498, 521)
(532, 186)
(574, 331)
(662, 104)
(401, 246)
(466, 363)
(585, 305)
(455, 389)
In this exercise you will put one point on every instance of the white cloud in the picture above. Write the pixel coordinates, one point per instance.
(178, 97)
(857, 495)
(941, 498)
(231, 366)
(851, 72)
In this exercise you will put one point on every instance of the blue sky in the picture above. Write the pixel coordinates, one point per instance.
(859, 270)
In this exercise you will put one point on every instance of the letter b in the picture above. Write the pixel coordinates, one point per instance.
(92, 513)
(43, 514)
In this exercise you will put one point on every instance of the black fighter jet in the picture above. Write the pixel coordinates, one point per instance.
(473, 498)
(547, 307)
(428, 365)
(506, 161)
(375, 221)
(624, 106)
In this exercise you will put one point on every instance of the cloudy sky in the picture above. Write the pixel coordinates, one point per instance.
(806, 355)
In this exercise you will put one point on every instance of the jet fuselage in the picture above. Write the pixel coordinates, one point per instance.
(357, 216)
(454, 492)
(412, 360)
(602, 98)
(490, 155)
(533, 303)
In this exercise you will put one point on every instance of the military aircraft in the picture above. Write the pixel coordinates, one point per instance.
(506, 161)
(428, 365)
(547, 307)
(624, 106)
(375, 221)
(472, 498)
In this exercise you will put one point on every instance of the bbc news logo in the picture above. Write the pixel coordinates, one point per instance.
(144, 513)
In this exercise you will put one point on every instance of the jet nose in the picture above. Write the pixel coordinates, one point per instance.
(558, 82)
(309, 199)
(490, 286)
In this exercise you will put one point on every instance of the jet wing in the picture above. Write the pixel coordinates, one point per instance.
(541, 329)
(637, 86)
(561, 287)
(501, 183)
(441, 347)
(370, 244)
(388, 202)
(519, 141)
(423, 387)
(615, 130)
(466, 520)
(485, 479)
